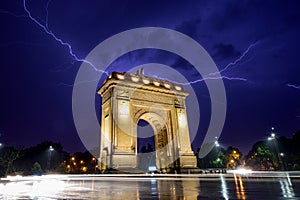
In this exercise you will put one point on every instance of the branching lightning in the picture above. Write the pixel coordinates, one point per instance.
(12, 14)
(238, 59)
(203, 79)
(293, 86)
(78, 83)
(50, 33)
(218, 75)
(211, 76)
(47, 14)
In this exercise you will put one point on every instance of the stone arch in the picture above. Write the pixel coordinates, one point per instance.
(127, 98)
(154, 119)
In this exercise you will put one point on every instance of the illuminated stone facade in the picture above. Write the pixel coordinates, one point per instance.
(127, 98)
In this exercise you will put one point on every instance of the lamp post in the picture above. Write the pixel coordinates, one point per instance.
(49, 157)
(284, 167)
(217, 151)
(94, 163)
(275, 144)
(217, 144)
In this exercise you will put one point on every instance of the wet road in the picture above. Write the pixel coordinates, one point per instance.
(126, 187)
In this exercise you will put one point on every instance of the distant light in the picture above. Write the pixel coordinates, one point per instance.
(281, 154)
(0, 144)
(269, 138)
(217, 144)
(242, 171)
(272, 128)
(51, 148)
(84, 169)
(13, 178)
(152, 168)
(273, 135)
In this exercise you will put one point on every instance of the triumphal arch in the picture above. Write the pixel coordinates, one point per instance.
(127, 98)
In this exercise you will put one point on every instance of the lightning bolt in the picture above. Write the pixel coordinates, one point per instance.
(47, 14)
(203, 79)
(45, 27)
(50, 33)
(78, 83)
(12, 14)
(239, 59)
(218, 75)
(293, 86)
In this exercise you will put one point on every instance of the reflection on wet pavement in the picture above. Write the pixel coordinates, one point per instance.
(218, 186)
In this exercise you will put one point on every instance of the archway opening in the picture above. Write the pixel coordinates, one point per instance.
(145, 145)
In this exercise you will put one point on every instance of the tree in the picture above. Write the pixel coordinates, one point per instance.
(261, 157)
(214, 159)
(279, 153)
(62, 168)
(81, 163)
(232, 157)
(7, 157)
(40, 154)
(36, 169)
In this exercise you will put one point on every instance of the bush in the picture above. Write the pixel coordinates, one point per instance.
(36, 169)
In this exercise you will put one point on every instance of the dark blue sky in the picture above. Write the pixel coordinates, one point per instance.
(37, 72)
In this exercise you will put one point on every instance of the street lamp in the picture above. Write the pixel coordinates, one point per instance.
(217, 144)
(94, 163)
(49, 157)
(273, 135)
(275, 143)
(51, 148)
(284, 167)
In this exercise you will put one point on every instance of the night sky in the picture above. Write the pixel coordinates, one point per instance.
(37, 72)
